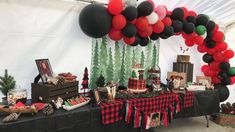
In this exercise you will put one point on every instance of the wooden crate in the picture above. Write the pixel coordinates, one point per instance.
(48, 92)
(184, 67)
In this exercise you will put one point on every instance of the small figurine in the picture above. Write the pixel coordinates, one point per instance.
(58, 103)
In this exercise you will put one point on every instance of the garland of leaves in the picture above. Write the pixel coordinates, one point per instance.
(141, 95)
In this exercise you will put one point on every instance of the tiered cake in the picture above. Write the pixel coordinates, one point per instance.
(136, 83)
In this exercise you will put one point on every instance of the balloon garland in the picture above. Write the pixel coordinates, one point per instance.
(137, 25)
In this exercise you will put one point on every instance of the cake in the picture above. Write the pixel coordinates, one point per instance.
(196, 88)
(137, 83)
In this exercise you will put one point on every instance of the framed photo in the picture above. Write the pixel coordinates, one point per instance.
(44, 68)
(203, 80)
(97, 96)
(182, 75)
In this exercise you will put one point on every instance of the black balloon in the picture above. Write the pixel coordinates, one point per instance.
(168, 31)
(224, 66)
(177, 25)
(210, 26)
(209, 36)
(145, 8)
(95, 20)
(144, 41)
(191, 19)
(222, 75)
(223, 92)
(189, 28)
(210, 44)
(129, 30)
(207, 58)
(202, 20)
(154, 36)
(130, 13)
(163, 36)
(137, 41)
(177, 14)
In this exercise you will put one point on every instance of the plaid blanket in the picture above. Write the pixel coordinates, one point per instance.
(112, 112)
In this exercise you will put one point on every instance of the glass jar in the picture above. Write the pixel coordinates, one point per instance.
(16, 95)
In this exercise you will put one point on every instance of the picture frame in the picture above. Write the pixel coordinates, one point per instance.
(181, 74)
(204, 80)
(97, 96)
(44, 68)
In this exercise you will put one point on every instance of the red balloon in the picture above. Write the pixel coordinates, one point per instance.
(158, 27)
(188, 36)
(218, 56)
(218, 36)
(211, 51)
(167, 21)
(198, 40)
(192, 13)
(215, 65)
(232, 80)
(142, 23)
(229, 54)
(119, 22)
(129, 40)
(204, 68)
(115, 34)
(221, 46)
(115, 7)
(202, 48)
(215, 80)
(146, 33)
(185, 12)
(133, 21)
(169, 13)
(189, 42)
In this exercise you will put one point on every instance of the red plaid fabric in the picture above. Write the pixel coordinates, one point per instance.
(155, 104)
(110, 111)
(136, 83)
(188, 99)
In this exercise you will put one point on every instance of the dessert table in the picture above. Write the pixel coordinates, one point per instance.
(89, 119)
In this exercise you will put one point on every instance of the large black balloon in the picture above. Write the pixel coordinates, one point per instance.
(210, 44)
(202, 20)
(177, 14)
(224, 66)
(144, 41)
(191, 19)
(209, 36)
(177, 25)
(189, 28)
(207, 58)
(154, 36)
(163, 36)
(223, 92)
(129, 30)
(95, 20)
(145, 8)
(130, 13)
(168, 31)
(210, 26)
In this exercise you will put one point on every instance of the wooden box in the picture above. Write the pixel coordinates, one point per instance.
(184, 67)
(183, 58)
(48, 92)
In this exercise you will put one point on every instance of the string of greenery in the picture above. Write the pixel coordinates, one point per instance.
(140, 95)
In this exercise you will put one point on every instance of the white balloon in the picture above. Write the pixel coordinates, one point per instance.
(152, 18)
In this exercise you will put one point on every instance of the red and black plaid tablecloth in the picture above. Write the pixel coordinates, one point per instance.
(111, 111)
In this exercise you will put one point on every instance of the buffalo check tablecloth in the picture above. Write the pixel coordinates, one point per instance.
(111, 112)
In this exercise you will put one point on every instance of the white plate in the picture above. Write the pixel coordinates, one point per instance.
(68, 108)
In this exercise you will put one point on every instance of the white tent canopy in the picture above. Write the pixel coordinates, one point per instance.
(31, 29)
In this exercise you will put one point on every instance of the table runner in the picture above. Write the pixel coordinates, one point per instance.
(111, 112)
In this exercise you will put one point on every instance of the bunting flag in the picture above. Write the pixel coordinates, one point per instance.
(137, 118)
(128, 112)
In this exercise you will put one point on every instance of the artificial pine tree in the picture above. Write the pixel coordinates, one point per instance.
(100, 82)
(133, 74)
(85, 81)
(7, 83)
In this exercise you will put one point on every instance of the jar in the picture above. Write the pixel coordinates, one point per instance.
(16, 95)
